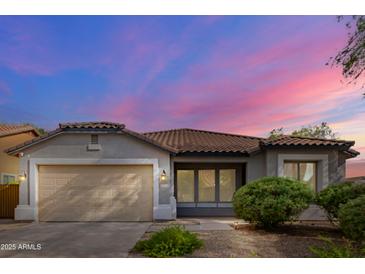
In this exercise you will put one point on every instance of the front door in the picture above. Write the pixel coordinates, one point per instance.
(206, 189)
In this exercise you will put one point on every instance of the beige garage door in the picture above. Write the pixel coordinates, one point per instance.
(95, 193)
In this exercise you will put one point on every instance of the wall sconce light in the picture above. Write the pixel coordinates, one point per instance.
(22, 177)
(163, 176)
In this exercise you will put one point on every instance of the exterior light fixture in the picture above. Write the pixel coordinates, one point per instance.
(163, 176)
(22, 177)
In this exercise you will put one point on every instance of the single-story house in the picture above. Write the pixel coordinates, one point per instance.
(102, 171)
(11, 135)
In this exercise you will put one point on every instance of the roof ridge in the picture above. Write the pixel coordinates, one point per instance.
(91, 125)
(207, 131)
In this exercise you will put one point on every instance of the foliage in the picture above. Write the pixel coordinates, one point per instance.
(170, 242)
(40, 130)
(322, 131)
(271, 200)
(276, 133)
(352, 57)
(351, 217)
(333, 196)
(332, 250)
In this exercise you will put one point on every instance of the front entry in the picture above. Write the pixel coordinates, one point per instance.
(206, 189)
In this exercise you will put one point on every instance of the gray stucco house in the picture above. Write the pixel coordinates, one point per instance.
(101, 171)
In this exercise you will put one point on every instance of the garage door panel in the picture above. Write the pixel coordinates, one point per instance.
(95, 193)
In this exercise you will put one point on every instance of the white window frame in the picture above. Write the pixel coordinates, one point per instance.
(6, 174)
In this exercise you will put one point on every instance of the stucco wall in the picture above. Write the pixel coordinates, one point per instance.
(113, 146)
(10, 164)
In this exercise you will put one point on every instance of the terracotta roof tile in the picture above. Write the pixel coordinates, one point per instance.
(193, 140)
(9, 129)
(287, 140)
(91, 125)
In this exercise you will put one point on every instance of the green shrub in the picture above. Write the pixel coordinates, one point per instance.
(271, 200)
(170, 242)
(332, 197)
(351, 218)
(332, 250)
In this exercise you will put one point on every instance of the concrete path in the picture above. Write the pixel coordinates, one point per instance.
(198, 224)
(109, 239)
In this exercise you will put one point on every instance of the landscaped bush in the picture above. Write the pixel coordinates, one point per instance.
(332, 197)
(351, 217)
(169, 242)
(271, 200)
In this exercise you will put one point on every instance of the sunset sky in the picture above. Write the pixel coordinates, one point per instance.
(241, 74)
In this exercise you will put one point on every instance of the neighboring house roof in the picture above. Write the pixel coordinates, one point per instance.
(82, 127)
(9, 129)
(193, 140)
(187, 140)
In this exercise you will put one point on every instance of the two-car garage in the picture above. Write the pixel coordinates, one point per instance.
(91, 172)
(95, 192)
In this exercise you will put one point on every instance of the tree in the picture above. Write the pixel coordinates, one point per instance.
(276, 133)
(322, 131)
(317, 131)
(352, 57)
(41, 131)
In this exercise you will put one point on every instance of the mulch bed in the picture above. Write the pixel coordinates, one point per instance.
(285, 241)
(248, 241)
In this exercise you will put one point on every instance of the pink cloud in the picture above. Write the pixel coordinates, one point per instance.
(355, 168)
(235, 88)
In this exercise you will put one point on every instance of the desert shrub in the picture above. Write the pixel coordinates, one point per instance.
(271, 200)
(170, 242)
(332, 197)
(351, 218)
(333, 250)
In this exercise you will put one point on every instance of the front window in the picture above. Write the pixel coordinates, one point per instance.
(206, 185)
(185, 184)
(227, 184)
(302, 171)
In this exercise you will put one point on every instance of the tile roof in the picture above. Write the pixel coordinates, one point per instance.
(193, 140)
(91, 125)
(287, 140)
(10, 129)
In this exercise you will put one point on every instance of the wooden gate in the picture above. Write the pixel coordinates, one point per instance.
(9, 199)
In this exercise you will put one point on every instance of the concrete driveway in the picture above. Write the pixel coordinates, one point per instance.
(109, 239)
